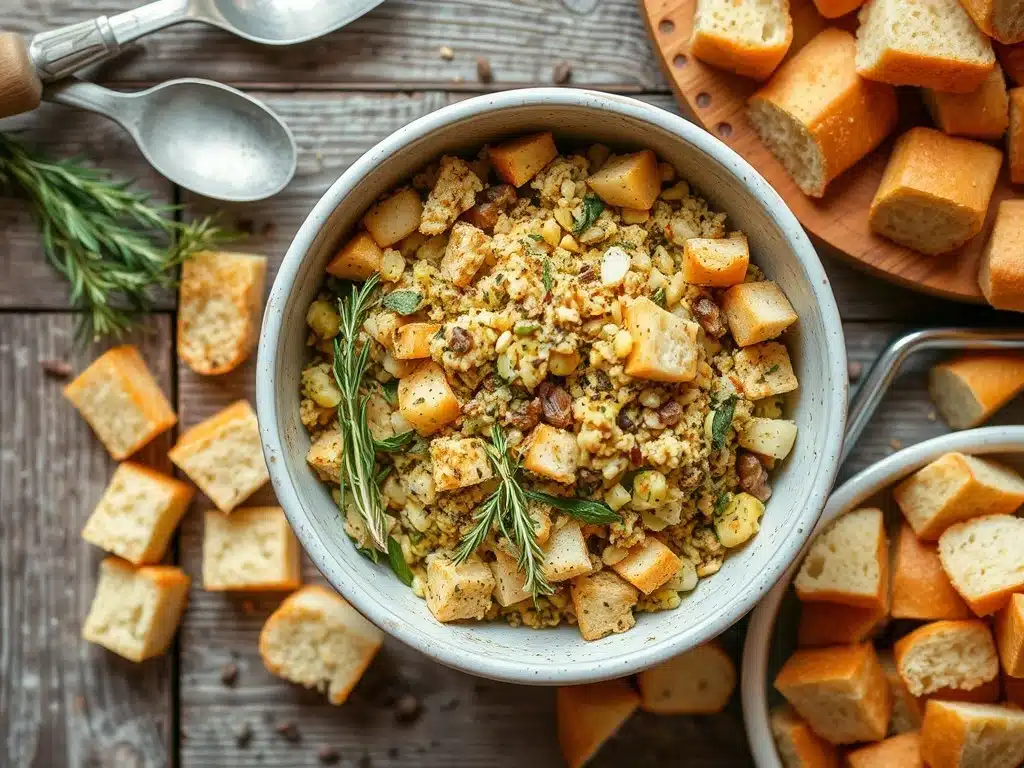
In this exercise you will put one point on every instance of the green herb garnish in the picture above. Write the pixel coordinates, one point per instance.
(721, 422)
(592, 207)
(397, 560)
(525, 329)
(403, 302)
(369, 553)
(394, 443)
(389, 389)
(535, 237)
(546, 276)
(772, 370)
(658, 297)
(587, 510)
(722, 502)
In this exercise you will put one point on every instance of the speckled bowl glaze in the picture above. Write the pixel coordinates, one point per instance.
(778, 245)
(771, 636)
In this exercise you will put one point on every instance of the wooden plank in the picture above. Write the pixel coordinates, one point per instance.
(27, 281)
(64, 701)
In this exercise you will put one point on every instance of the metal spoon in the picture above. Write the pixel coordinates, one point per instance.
(58, 53)
(204, 136)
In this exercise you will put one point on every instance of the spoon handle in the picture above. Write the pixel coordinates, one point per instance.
(123, 108)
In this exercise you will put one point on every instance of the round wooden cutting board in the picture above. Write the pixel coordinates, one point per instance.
(717, 100)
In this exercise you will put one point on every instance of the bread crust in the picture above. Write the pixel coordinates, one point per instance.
(988, 602)
(903, 751)
(1010, 636)
(833, 9)
(990, 379)
(983, 13)
(823, 624)
(1011, 58)
(588, 715)
(920, 587)
(946, 731)
(659, 686)
(811, 750)
(736, 56)
(1001, 274)
(981, 114)
(906, 646)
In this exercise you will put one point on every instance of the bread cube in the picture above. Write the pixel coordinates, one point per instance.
(960, 655)
(509, 580)
(981, 114)
(648, 565)
(224, 456)
(823, 624)
(325, 455)
(426, 399)
(764, 370)
(630, 181)
(565, 553)
(984, 560)
(394, 218)
(1010, 636)
(797, 744)
(956, 487)
(903, 751)
(412, 340)
(1015, 136)
(1001, 275)
(319, 641)
(757, 312)
(698, 682)
(552, 453)
(136, 610)
(743, 36)
(907, 709)
(920, 588)
(841, 692)
(359, 258)
(603, 603)
(968, 389)
(589, 715)
(935, 191)
(958, 735)
(459, 463)
(768, 437)
(382, 326)
(1001, 20)
(467, 250)
(457, 592)
(717, 262)
(137, 514)
(121, 401)
(518, 160)
(251, 549)
(664, 346)
(740, 520)
(848, 562)
(453, 194)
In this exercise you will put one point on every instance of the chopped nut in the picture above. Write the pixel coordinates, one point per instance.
(709, 316)
(407, 709)
(483, 70)
(446, 53)
(753, 476)
(556, 405)
(289, 731)
(588, 480)
(229, 674)
(670, 413)
(329, 756)
(459, 341)
(624, 422)
(243, 735)
(562, 73)
(56, 369)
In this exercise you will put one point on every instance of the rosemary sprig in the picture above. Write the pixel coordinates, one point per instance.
(358, 454)
(104, 236)
(507, 508)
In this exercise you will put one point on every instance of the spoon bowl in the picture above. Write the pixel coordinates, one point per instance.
(273, 22)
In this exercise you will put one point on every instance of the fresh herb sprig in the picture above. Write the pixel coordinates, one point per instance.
(721, 422)
(103, 235)
(585, 510)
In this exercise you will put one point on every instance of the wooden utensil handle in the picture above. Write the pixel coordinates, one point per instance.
(20, 87)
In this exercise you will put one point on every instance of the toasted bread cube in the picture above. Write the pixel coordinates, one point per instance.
(768, 437)
(1010, 636)
(553, 453)
(920, 588)
(604, 604)
(740, 520)
(958, 735)
(459, 463)
(903, 751)
(648, 565)
(981, 114)
(426, 400)
(797, 744)
(394, 217)
(457, 592)
(220, 304)
(971, 387)
(452, 195)
(718, 262)
(565, 553)
(137, 514)
(509, 580)
(984, 560)
(324, 456)
(518, 160)
(467, 250)
(1001, 275)
(841, 692)
(136, 610)
(664, 346)
(224, 456)
(359, 258)
(698, 682)
(947, 654)
(757, 312)
(630, 181)
(956, 487)
(121, 401)
(382, 326)
(746, 37)
(412, 340)
(319, 641)
(251, 549)
(765, 370)
(589, 715)
(823, 624)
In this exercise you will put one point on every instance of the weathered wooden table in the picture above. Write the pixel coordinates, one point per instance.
(66, 703)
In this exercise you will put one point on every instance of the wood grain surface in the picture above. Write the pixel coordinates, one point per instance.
(718, 100)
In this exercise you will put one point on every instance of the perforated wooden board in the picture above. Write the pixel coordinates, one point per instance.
(717, 100)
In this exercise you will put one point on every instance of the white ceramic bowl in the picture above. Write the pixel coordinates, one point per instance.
(766, 647)
(778, 244)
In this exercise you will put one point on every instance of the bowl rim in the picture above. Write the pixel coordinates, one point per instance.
(644, 654)
(863, 485)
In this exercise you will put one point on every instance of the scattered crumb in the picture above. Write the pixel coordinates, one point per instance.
(932, 415)
(458, 79)
(56, 369)
(854, 370)
(446, 53)
(243, 735)
(329, 756)
(229, 674)
(562, 73)
(483, 70)
(289, 731)
(268, 229)
(407, 709)
(896, 444)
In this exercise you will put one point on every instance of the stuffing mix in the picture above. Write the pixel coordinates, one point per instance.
(594, 313)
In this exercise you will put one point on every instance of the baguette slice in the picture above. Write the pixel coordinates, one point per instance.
(1001, 275)
(848, 563)
(983, 113)
(1002, 20)
(954, 488)
(698, 682)
(818, 116)
(589, 715)
(823, 624)
(929, 43)
(968, 389)
(747, 37)
(958, 735)
(920, 588)
(947, 654)
(984, 559)
(797, 744)
(1010, 636)
(903, 751)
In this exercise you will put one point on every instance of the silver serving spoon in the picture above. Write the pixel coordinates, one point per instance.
(204, 136)
(58, 53)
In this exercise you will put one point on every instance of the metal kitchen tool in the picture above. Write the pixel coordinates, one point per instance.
(204, 136)
(885, 368)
